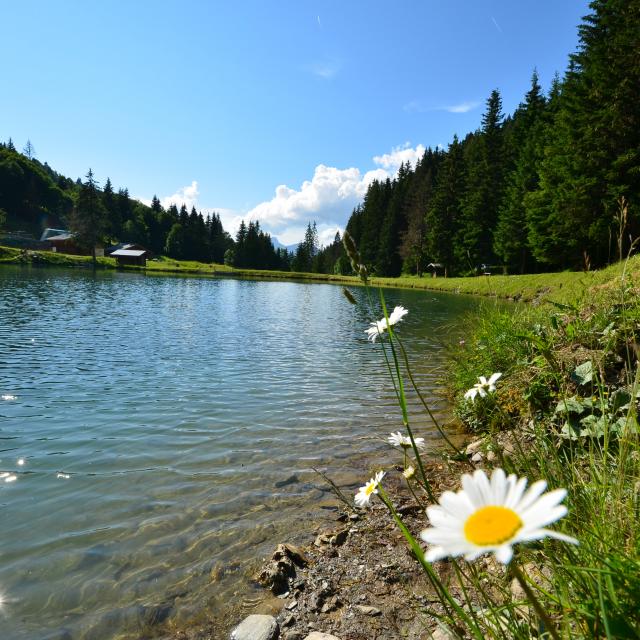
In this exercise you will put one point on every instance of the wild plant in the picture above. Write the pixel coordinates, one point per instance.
(572, 427)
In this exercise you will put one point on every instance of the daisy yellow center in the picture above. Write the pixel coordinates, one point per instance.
(492, 525)
(369, 490)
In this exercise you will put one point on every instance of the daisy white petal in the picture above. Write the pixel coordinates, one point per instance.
(378, 328)
(504, 554)
(471, 394)
(436, 553)
(397, 314)
(535, 490)
(491, 516)
(483, 386)
(363, 497)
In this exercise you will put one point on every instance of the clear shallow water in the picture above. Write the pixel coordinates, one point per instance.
(187, 414)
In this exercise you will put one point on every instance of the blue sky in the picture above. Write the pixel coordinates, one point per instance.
(281, 111)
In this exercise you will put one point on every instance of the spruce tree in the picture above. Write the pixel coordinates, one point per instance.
(483, 190)
(444, 210)
(88, 220)
(510, 240)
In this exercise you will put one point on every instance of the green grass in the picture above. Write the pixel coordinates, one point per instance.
(567, 403)
(566, 411)
(534, 287)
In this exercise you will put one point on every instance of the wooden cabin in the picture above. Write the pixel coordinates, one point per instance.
(136, 257)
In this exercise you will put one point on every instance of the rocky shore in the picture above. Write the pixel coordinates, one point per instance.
(356, 580)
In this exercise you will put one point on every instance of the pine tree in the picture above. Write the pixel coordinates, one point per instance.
(88, 221)
(444, 210)
(29, 150)
(483, 190)
(510, 241)
(113, 219)
(593, 154)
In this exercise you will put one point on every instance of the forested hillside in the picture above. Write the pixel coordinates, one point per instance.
(33, 197)
(540, 189)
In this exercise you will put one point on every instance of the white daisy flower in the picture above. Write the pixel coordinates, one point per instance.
(409, 472)
(378, 328)
(490, 516)
(482, 387)
(398, 440)
(364, 493)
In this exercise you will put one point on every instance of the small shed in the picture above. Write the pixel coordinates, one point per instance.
(435, 267)
(137, 257)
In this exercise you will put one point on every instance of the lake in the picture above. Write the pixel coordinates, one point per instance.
(163, 431)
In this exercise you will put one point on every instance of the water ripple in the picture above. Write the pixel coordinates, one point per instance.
(160, 420)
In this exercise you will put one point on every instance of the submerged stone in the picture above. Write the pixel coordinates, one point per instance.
(256, 627)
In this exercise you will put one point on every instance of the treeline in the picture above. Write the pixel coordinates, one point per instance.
(540, 189)
(33, 197)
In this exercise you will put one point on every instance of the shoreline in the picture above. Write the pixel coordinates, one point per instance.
(534, 288)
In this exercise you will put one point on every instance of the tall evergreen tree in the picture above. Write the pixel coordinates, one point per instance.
(444, 210)
(510, 241)
(88, 220)
(593, 156)
(480, 202)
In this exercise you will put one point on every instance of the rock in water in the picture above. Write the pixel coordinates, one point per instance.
(275, 575)
(256, 627)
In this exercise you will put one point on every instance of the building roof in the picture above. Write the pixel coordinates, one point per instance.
(49, 233)
(62, 236)
(130, 253)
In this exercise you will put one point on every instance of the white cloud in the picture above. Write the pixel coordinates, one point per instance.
(416, 106)
(402, 154)
(328, 198)
(187, 195)
(326, 69)
(463, 107)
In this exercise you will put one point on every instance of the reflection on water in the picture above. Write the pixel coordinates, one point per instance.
(157, 436)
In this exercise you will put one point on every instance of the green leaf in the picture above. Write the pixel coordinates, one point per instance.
(620, 400)
(570, 405)
(583, 373)
(569, 431)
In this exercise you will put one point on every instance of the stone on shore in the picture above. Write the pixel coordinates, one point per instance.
(277, 573)
(317, 635)
(256, 627)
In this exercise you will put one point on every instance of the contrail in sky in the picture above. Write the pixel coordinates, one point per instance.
(494, 22)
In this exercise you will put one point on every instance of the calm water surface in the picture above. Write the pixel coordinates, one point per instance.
(168, 428)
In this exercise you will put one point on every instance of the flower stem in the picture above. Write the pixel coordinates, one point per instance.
(402, 399)
(445, 597)
(542, 614)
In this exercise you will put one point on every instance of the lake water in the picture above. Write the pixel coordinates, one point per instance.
(168, 428)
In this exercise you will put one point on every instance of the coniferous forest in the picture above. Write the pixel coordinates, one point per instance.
(554, 185)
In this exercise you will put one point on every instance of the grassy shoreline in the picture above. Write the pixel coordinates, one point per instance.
(559, 287)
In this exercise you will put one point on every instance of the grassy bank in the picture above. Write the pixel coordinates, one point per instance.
(565, 410)
(554, 286)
